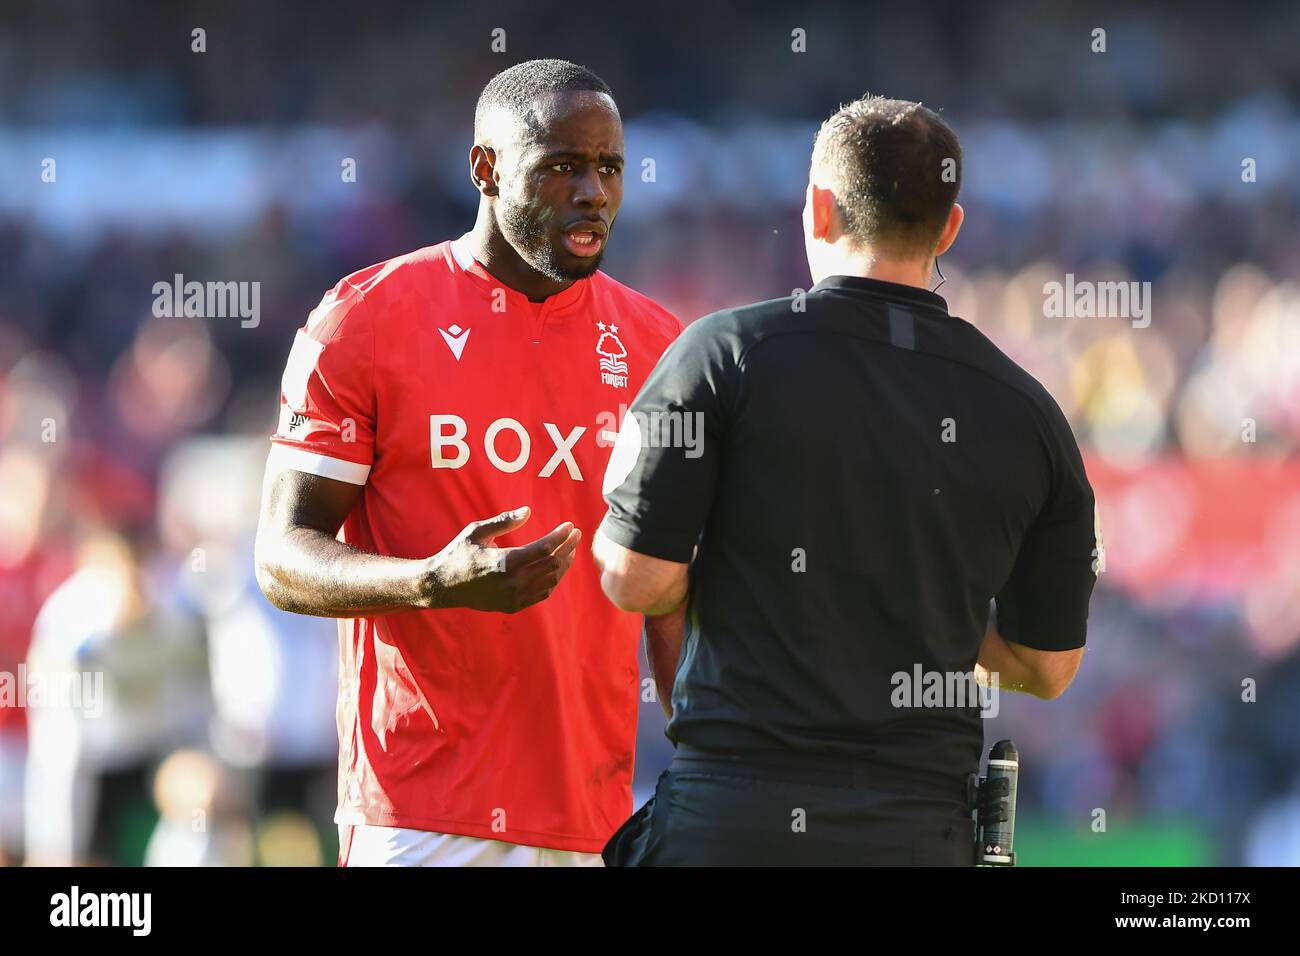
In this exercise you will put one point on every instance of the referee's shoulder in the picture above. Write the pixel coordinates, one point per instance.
(977, 349)
(746, 322)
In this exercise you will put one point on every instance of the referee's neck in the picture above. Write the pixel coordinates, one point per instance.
(868, 265)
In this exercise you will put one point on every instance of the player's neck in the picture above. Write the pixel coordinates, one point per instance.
(503, 263)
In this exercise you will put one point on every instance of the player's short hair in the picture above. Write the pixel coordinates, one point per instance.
(895, 169)
(516, 88)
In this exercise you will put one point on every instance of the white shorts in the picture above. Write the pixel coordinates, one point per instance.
(365, 845)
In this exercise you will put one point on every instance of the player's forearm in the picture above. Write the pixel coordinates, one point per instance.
(306, 571)
(998, 659)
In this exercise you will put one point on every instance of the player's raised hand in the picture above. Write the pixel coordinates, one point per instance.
(471, 572)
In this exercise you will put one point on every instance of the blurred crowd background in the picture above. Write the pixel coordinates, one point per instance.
(131, 446)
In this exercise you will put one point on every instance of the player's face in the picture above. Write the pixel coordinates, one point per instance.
(558, 203)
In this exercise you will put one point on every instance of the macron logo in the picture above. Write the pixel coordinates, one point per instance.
(455, 339)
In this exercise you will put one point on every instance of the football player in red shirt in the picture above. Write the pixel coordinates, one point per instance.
(431, 406)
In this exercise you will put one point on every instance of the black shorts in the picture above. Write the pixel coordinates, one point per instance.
(711, 810)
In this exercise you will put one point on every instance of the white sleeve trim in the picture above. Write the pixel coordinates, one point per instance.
(283, 456)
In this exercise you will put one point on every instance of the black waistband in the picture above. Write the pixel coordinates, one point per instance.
(819, 769)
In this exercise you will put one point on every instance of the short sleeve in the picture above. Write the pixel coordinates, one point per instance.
(660, 480)
(327, 395)
(1044, 603)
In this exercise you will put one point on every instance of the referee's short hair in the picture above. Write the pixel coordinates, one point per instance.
(895, 169)
(515, 89)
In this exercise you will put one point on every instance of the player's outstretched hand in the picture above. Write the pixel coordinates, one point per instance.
(471, 573)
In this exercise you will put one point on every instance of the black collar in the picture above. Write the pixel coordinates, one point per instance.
(895, 291)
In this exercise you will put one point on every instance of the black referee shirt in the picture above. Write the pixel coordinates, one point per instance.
(872, 473)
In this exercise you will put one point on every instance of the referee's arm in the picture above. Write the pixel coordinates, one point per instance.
(639, 582)
(1011, 666)
(657, 589)
(662, 473)
(659, 486)
(1036, 643)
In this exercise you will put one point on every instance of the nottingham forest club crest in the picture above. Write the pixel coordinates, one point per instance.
(613, 370)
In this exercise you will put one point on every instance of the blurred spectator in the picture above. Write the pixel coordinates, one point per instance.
(274, 674)
(33, 561)
(203, 815)
(140, 663)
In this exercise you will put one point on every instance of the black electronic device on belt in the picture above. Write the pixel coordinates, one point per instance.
(993, 800)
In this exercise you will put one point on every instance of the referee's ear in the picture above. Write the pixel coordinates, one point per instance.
(821, 213)
(956, 216)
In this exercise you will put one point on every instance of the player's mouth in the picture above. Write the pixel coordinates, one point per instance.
(585, 239)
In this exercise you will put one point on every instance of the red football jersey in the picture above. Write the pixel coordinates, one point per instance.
(450, 398)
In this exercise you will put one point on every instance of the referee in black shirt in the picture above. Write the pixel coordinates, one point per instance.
(848, 492)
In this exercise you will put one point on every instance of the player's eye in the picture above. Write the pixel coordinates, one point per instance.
(562, 167)
(609, 170)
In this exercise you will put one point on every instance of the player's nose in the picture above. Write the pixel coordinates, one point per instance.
(589, 191)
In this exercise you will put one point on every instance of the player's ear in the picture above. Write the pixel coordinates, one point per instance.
(482, 166)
